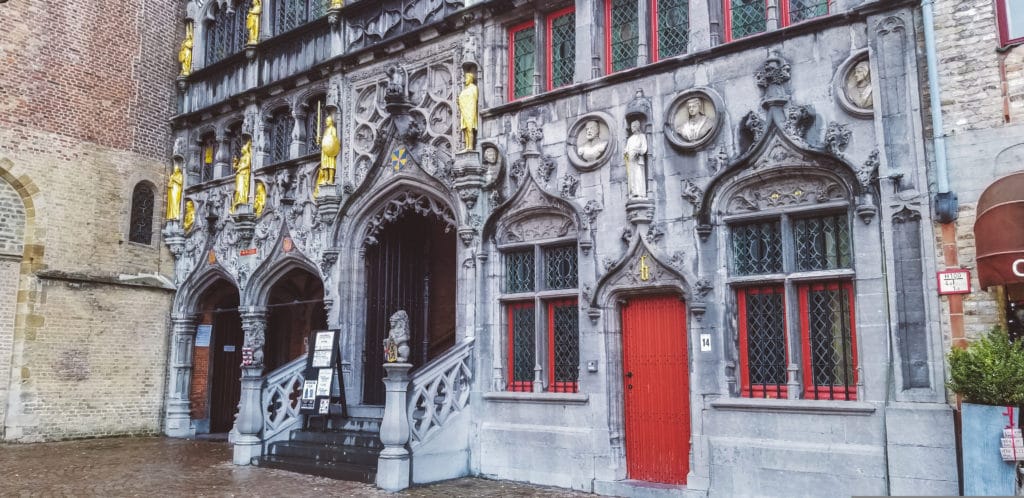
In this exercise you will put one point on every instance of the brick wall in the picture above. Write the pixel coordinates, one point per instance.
(9, 270)
(12, 220)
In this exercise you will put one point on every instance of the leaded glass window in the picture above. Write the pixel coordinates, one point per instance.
(830, 358)
(522, 59)
(623, 37)
(562, 48)
(519, 271)
(279, 135)
(560, 267)
(745, 18)
(140, 228)
(523, 350)
(763, 341)
(290, 14)
(315, 116)
(564, 345)
(225, 35)
(802, 10)
(822, 243)
(757, 248)
(673, 27)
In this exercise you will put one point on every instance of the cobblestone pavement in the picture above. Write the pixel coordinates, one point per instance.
(160, 467)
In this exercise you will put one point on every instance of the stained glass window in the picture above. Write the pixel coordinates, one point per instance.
(673, 27)
(279, 135)
(561, 48)
(141, 222)
(522, 57)
(623, 35)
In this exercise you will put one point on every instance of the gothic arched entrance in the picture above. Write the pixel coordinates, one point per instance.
(411, 268)
(295, 308)
(217, 359)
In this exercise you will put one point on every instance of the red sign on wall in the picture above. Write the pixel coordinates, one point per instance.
(247, 252)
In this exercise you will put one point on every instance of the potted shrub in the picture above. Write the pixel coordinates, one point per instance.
(989, 375)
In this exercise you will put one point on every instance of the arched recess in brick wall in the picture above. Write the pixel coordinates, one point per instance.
(12, 222)
(15, 219)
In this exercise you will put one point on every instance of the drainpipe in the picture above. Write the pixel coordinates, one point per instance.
(946, 203)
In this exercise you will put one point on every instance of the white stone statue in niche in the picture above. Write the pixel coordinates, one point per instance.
(858, 85)
(491, 165)
(636, 171)
(695, 120)
(590, 146)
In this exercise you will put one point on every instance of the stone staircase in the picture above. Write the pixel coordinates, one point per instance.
(346, 450)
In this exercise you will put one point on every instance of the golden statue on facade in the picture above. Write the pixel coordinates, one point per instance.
(175, 185)
(260, 201)
(190, 215)
(468, 99)
(185, 52)
(330, 146)
(252, 22)
(337, 4)
(243, 169)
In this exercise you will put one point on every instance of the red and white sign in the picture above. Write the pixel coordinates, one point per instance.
(247, 252)
(954, 282)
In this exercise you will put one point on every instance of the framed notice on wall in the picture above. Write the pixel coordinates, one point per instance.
(324, 377)
(324, 341)
(322, 359)
(954, 282)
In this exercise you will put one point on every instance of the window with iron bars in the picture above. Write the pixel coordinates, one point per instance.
(225, 35)
(290, 14)
(542, 317)
(558, 52)
(279, 135)
(668, 31)
(749, 17)
(802, 265)
(140, 228)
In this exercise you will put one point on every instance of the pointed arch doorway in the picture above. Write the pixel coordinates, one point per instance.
(411, 268)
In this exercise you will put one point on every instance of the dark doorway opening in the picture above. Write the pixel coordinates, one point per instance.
(412, 268)
(217, 359)
(295, 308)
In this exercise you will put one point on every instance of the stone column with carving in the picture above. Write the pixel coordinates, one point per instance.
(394, 463)
(249, 422)
(178, 419)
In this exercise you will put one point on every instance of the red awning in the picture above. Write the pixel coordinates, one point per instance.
(999, 232)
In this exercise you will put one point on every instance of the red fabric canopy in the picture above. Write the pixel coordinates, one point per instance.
(999, 232)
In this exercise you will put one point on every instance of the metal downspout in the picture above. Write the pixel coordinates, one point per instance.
(946, 203)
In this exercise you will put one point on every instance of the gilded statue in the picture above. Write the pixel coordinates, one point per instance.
(175, 185)
(636, 149)
(190, 215)
(330, 146)
(243, 168)
(185, 52)
(468, 99)
(337, 4)
(260, 201)
(694, 123)
(590, 146)
(396, 345)
(858, 86)
(252, 22)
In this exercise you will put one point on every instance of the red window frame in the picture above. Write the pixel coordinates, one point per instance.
(608, 62)
(784, 18)
(549, 60)
(512, 57)
(748, 390)
(654, 30)
(1002, 23)
(553, 385)
(513, 384)
(826, 392)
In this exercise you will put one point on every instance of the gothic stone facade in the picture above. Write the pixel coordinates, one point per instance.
(778, 225)
(82, 336)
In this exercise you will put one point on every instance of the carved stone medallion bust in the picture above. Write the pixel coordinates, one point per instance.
(693, 119)
(853, 85)
(590, 142)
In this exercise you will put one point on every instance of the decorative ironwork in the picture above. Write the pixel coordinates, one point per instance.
(226, 34)
(523, 61)
(757, 248)
(279, 137)
(565, 346)
(673, 27)
(822, 243)
(519, 271)
(748, 17)
(830, 342)
(524, 347)
(765, 338)
(802, 10)
(560, 267)
(563, 49)
(624, 25)
(141, 223)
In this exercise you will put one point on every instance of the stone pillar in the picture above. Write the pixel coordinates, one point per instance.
(178, 418)
(393, 465)
(222, 157)
(249, 422)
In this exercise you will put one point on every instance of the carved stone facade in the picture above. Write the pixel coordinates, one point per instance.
(747, 133)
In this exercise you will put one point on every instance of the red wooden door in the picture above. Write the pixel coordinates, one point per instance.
(656, 383)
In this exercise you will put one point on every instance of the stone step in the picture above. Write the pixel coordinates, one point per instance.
(360, 424)
(333, 470)
(325, 453)
(339, 438)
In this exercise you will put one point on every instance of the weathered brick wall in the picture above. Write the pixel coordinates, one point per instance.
(9, 271)
(12, 220)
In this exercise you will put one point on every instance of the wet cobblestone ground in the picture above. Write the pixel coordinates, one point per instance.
(160, 467)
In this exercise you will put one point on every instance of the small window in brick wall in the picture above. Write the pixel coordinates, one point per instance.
(141, 224)
(279, 135)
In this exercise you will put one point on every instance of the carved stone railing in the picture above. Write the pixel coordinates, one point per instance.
(438, 391)
(280, 400)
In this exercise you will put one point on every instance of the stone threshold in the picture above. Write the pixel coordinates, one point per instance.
(552, 398)
(820, 407)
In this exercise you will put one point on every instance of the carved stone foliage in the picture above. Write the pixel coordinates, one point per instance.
(906, 215)
(591, 142)
(692, 193)
(788, 191)
(693, 119)
(545, 170)
(403, 202)
(719, 160)
(779, 153)
(591, 210)
(567, 185)
(868, 172)
(538, 227)
(393, 18)
(774, 71)
(798, 119)
(755, 125)
(837, 137)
